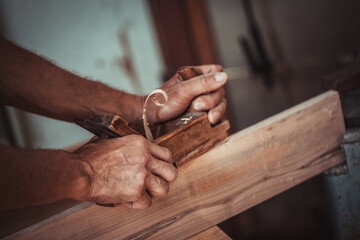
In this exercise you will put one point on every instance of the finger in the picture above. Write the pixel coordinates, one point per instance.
(217, 112)
(201, 69)
(208, 101)
(162, 169)
(161, 153)
(156, 186)
(204, 84)
(142, 203)
(210, 68)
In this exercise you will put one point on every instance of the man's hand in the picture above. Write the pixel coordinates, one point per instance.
(201, 93)
(128, 170)
(79, 97)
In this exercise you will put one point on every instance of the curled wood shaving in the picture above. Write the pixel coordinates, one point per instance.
(185, 120)
(148, 133)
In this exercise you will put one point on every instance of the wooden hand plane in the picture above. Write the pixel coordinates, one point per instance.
(186, 136)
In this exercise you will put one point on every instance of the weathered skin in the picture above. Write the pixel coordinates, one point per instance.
(145, 169)
(130, 170)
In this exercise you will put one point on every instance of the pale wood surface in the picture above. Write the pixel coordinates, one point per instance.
(214, 233)
(251, 166)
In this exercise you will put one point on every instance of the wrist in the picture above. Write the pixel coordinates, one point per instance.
(81, 183)
(131, 108)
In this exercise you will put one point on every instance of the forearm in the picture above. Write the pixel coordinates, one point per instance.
(34, 84)
(31, 177)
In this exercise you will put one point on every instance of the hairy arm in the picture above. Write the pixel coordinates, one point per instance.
(128, 170)
(31, 177)
(32, 83)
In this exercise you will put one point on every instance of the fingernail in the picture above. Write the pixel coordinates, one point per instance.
(198, 106)
(213, 117)
(220, 76)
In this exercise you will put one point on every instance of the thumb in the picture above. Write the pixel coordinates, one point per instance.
(204, 84)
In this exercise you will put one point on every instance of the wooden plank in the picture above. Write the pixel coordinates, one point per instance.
(214, 233)
(251, 166)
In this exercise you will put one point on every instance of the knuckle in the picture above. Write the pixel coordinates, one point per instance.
(175, 174)
(167, 154)
(142, 203)
(163, 190)
(212, 101)
(135, 198)
(137, 185)
(145, 158)
(224, 103)
(137, 195)
(222, 92)
(205, 100)
(147, 204)
(141, 159)
(218, 67)
(142, 174)
(208, 79)
(140, 140)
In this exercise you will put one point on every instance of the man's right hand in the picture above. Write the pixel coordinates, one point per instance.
(128, 170)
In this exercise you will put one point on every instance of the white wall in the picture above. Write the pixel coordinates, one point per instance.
(83, 37)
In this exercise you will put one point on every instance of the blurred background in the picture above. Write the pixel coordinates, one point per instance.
(275, 52)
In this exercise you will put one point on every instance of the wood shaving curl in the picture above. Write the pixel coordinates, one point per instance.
(148, 133)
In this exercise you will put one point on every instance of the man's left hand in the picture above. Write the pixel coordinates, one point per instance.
(202, 93)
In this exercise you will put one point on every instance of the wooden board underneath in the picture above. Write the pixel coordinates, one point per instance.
(251, 166)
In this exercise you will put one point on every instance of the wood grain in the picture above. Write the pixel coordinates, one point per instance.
(213, 233)
(251, 166)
